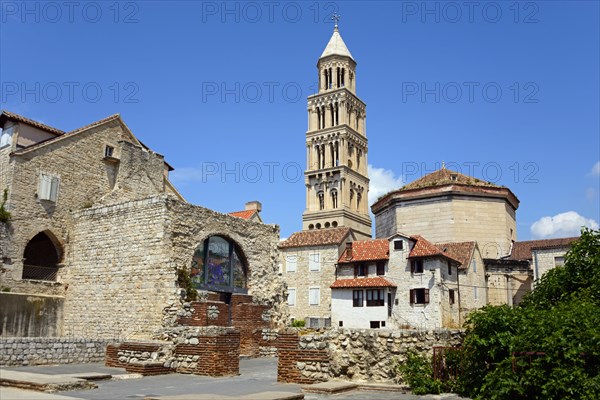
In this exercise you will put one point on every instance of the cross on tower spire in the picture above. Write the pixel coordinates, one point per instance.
(336, 18)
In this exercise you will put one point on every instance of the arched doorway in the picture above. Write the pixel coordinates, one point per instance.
(219, 265)
(42, 256)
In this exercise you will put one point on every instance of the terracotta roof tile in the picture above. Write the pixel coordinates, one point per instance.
(424, 248)
(20, 118)
(523, 250)
(245, 214)
(461, 251)
(318, 237)
(366, 250)
(374, 282)
(445, 177)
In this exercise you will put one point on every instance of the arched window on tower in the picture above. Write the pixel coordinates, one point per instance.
(334, 199)
(358, 156)
(330, 79)
(358, 199)
(218, 264)
(332, 153)
(351, 196)
(321, 200)
(343, 77)
(337, 153)
(337, 114)
(319, 118)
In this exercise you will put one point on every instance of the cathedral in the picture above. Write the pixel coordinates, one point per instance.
(445, 243)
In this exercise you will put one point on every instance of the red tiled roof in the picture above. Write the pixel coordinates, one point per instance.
(461, 251)
(245, 214)
(362, 283)
(366, 250)
(317, 237)
(424, 248)
(522, 250)
(20, 118)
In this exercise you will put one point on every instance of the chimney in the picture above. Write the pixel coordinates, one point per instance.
(348, 251)
(254, 205)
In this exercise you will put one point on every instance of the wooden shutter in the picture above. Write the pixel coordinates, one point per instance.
(426, 296)
(412, 296)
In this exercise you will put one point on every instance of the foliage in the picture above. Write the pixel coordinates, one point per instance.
(4, 214)
(185, 282)
(418, 374)
(298, 323)
(558, 322)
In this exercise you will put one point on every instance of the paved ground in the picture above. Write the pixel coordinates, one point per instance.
(256, 375)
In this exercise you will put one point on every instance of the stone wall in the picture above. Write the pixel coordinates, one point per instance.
(120, 272)
(487, 221)
(189, 225)
(44, 351)
(545, 259)
(353, 355)
(27, 315)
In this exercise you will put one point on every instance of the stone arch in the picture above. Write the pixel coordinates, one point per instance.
(226, 270)
(42, 257)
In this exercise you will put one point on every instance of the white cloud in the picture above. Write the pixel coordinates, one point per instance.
(561, 225)
(381, 182)
(595, 170)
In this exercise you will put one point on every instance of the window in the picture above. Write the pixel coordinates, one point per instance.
(416, 266)
(374, 324)
(48, 187)
(475, 294)
(291, 297)
(381, 268)
(314, 296)
(559, 261)
(314, 262)
(451, 296)
(290, 262)
(375, 298)
(357, 298)
(341, 323)
(398, 244)
(383, 324)
(449, 268)
(219, 265)
(109, 151)
(6, 137)
(474, 265)
(419, 296)
(361, 270)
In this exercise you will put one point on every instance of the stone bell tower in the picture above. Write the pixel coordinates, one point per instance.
(336, 178)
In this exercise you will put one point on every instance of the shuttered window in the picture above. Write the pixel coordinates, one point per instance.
(419, 296)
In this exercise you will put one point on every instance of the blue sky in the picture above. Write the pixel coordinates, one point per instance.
(505, 91)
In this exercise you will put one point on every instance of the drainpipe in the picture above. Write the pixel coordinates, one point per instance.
(458, 293)
(535, 267)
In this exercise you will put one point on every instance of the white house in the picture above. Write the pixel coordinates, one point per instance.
(406, 282)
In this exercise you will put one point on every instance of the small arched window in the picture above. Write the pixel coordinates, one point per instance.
(218, 264)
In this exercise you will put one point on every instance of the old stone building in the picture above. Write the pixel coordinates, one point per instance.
(448, 206)
(407, 282)
(98, 231)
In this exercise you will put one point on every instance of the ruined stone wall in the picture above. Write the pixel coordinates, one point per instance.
(47, 351)
(121, 275)
(360, 355)
(190, 225)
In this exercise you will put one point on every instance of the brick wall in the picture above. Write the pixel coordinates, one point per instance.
(217, 355)
(206, 313)
(292, 359)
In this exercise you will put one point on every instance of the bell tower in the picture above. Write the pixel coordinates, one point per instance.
(336, 178)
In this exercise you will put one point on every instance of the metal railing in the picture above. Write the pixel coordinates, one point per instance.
(40, 273)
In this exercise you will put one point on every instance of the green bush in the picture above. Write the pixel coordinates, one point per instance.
(558, 321)
(4, 214)
(417, 372)
(185, 282)
(298, 323)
